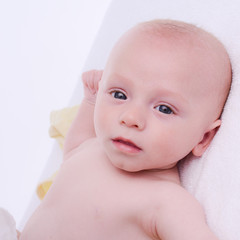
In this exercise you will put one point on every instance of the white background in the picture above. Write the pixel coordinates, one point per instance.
(43, 46)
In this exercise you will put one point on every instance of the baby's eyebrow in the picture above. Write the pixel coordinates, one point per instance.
(117, 77)
(180, 102)
(171, 94)
(163, 92)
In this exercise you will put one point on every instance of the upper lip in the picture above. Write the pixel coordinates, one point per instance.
(126, 141)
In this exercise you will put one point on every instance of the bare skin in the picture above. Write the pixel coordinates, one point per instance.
(119, 178)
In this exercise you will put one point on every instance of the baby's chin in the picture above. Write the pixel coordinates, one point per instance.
(126, 167)
(130, 167)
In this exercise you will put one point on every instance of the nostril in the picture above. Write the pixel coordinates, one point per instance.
(129, 124)
(123, 122)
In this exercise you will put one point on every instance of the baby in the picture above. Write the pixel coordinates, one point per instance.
(159, 99)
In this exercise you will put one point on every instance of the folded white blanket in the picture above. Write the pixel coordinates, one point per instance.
(7, 226)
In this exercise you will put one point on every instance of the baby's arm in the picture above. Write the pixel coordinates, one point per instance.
(183, 219)
(82, 127)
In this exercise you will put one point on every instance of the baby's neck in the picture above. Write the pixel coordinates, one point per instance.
(168, 175)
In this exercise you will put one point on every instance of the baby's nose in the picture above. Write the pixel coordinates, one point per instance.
(133, 118)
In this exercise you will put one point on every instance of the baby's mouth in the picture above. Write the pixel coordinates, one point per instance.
(126, 145)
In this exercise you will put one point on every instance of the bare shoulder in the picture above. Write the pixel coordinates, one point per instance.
(180, 216)
(179, 197)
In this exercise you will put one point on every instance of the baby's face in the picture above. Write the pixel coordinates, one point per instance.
(153, 105)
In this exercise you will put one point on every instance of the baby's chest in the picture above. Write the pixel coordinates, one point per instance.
(98, 193)
(99, 199)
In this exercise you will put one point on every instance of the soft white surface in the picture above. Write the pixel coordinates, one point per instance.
(43, 46)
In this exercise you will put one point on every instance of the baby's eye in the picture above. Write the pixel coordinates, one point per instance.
(164, 109)
(119, 95)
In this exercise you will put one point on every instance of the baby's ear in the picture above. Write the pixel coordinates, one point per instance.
(201, 147)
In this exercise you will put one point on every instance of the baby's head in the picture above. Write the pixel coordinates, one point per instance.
(161, 96)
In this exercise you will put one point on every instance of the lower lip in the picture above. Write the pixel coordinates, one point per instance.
(126, 148)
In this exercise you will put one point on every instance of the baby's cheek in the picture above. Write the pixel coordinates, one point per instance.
(100, 121)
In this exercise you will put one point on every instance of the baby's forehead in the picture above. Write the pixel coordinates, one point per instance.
(186, 36)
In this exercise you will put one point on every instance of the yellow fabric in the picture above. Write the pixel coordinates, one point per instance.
(43, 187)
(60, 122)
